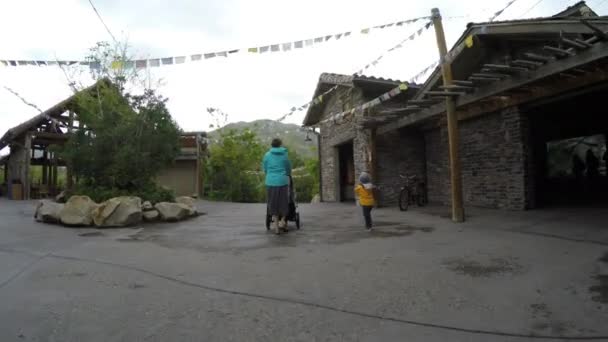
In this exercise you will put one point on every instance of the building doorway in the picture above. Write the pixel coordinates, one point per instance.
(346, 172)
(569, 138)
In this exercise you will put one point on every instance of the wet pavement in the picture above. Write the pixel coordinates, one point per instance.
(501, 276)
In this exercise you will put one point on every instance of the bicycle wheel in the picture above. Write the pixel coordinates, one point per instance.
(404, 199)
(421, 196)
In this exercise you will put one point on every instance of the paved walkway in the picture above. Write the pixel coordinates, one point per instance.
(502, 276)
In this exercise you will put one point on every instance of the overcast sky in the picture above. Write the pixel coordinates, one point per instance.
(246, 86)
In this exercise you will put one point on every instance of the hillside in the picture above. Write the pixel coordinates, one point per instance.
(293, 136)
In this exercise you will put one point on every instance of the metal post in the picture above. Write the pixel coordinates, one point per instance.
(450, 105)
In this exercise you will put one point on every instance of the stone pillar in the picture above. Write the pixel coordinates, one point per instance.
(362, 151)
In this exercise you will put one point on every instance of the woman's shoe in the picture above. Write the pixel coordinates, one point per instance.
(275, 225)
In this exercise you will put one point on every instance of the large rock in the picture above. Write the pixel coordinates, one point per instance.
(118, 212)
(151, 215)
(316, 199)
(147, 206)
(172, 212)
(78, 211)
(48, 211)
(188, 201)
(61, 197)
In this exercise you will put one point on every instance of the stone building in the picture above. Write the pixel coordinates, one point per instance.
(520, 86)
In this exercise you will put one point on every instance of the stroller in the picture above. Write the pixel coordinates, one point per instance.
(293, 214)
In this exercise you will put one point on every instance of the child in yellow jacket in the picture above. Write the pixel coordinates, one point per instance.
(365, 192)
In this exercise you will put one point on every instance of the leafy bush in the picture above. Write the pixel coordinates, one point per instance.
(152, 193)
(233, 167)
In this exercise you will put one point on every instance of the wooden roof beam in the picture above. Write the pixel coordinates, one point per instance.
(575, 44)
(558, 51)
(444, 93)
(587, 43)
(491, 75)
(540, 58)
(423, 102)
(484, 79)
(464, 83)
(596, 30)
(457, 87)
(527, 63)
(504, 68)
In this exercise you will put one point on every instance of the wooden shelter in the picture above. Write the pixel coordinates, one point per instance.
(31, 145)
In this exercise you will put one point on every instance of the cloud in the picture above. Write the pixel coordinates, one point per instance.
(246, 86)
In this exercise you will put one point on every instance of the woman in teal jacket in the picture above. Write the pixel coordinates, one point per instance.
(277, 167)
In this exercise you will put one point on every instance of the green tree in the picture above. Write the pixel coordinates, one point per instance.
(124, 140)
(233, 167)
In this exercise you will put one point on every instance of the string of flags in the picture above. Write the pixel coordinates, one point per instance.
(335, 118)
(416, 77)
(270, 48)
(319, 99)
(398, 46)
(370, 104)
(498, 13)
(468, 42)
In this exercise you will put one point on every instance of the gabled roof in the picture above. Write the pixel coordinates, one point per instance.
(330, 80)
(579, 9)
(543, 30)
(52, 113)
(508, 57)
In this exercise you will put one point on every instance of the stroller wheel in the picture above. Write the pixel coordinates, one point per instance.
(298, 221)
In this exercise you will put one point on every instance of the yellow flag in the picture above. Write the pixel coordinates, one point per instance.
(253, 50)
(469, 41)
(116, 65)
(403, 87)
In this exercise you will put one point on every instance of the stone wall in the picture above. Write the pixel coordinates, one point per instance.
(437, 168)
(398, 152)
(333, 135)
(495, 159)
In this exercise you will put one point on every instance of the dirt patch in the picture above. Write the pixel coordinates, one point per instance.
(600, 291)
(473, 268)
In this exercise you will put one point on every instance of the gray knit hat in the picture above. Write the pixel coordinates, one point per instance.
(365, 178)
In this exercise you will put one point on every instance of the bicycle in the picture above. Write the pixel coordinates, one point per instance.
(413, 191)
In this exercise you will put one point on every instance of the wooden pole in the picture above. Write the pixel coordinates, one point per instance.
(26, 181)
(45, 167)
(450, 105)
(69, 179)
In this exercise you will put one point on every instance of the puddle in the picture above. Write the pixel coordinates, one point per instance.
(540, 309)
(600, 291)
(477, 269)
(87, 234)
(135, 286)
(276, 258)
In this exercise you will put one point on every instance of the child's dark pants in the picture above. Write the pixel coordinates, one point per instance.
(367, 214)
